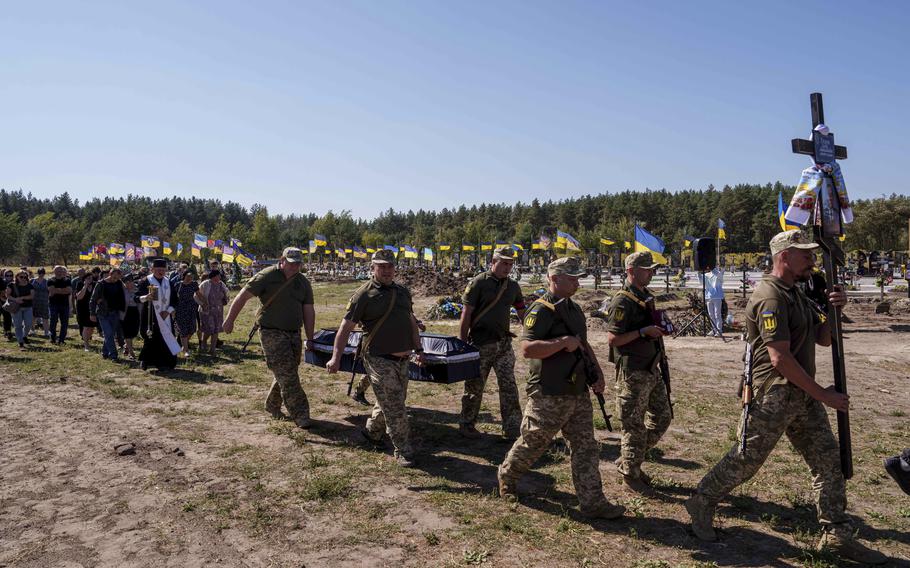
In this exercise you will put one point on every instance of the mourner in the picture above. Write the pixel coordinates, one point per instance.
(382, 304)
(554, 330)
(782, 329)
(488, 300)
(642, 400)
(159, 302)
(287, 305)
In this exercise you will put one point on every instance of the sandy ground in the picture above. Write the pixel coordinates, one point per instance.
(214, 482)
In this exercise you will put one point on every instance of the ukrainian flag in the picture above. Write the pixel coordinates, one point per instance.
(646, 242)
(627, 244)
(371, 250)
(312, 246)
(410, 252)
(428, 254)
(535, 244)
(445, 246)
(607, 242)
(781, 211)
(85, 255)
(227, 254)
(201, 241)
(167, 248)
(566, 241)
(467, 247)
(486, 246)
(179, 249)
(518, 247)
(721, 230)
(320, 240)
(687, 241)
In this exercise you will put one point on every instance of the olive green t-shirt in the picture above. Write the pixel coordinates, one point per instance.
(480, 293)
(778, 312)
(625, 315)
(561, 373)
(286, 310)
(367, 306)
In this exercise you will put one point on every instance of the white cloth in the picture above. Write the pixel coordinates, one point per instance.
(162, 304)
(714, 284)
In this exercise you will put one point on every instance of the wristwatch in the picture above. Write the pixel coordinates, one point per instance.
(641, 332)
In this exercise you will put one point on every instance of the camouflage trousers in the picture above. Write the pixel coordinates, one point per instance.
(644, 415)
(363, 383)
(785, 409)
(499, 357)
(282, 355)
(390, 415)
(544, 416)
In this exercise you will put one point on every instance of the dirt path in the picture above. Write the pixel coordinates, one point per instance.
(244, 490)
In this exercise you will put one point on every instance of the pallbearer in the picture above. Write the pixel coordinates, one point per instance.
(783, 329)
(391, 336)
(488, 300)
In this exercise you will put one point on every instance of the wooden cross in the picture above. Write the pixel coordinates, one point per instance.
(827, 228)
(819, 143)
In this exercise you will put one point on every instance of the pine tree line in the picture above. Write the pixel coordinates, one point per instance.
(54, 230)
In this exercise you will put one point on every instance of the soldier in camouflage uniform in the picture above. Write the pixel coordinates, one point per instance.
(783, 329)
(557, 393)
(391, 336)
(290, 306)
(641, 397)
(485, 324)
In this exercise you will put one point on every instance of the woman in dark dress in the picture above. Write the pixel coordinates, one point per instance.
(83, 316)
(186, 309)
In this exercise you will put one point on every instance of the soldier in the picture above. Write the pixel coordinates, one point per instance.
(287, 304)
(641, 397)
(554, 328)
(381, 303)
(485, 324)
(782, 329)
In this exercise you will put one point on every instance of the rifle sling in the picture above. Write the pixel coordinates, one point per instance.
(265, 305)
(362, 347)
(502, 290)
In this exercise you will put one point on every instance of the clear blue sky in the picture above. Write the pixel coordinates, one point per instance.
(306, 106)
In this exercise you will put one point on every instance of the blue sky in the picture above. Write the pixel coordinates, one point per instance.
(306, 107)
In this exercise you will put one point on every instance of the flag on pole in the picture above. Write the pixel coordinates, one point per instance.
(535, 244)
(607, 242)
(130, 252)
(467, 247)
(646, 242)
(166, 248)
(201, 241)
(410, 252)
(197, 250)
(721, 230)
(445, 246)
(782, 212)
(486, 246)
(320, 240)
(428, 254)
(566, 241)
(227, 253)
(179, 249)
(687, 241)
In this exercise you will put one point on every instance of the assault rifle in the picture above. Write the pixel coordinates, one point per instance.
(250, 337)
(585, 356)
(665, 372)
(747, 396)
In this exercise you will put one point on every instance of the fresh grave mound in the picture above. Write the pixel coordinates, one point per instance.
(431, 282)
(447, 307)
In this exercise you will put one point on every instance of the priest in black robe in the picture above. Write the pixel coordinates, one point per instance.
(157, 309)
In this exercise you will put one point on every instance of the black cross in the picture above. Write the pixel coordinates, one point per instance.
(819, 142)
(823, 151)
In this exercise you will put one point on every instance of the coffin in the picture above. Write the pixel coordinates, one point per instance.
(447, 358)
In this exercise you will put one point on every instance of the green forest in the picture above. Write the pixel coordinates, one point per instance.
(55, 230)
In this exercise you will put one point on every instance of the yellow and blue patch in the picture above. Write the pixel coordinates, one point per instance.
(769, 321)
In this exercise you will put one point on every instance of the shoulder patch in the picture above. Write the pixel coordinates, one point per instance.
(531, 319)
(769, 321)
(619, 312)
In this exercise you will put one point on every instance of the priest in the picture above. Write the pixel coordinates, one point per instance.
(158, 302)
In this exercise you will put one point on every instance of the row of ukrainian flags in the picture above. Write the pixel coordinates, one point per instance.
(149, 245)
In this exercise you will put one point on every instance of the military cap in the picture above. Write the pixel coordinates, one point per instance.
(383, 256)
(641, 260)
(504, 253)
(157, 263)
(568, 265)
(292, 254)
(794, 238)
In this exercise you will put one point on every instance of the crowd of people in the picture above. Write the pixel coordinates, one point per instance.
(114, 302)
